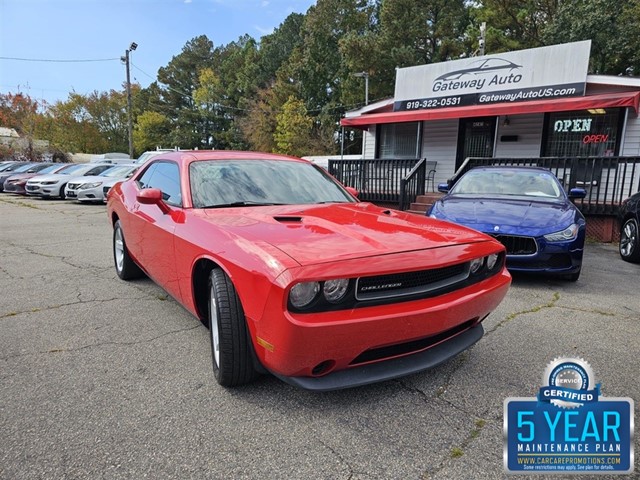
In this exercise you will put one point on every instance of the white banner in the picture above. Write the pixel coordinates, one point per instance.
(538, 73)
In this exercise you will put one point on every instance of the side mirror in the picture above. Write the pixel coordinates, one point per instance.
(577, 193)
(443, 187)
(352, 191)
(153, 196)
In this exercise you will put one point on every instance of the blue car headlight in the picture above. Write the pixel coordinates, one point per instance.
(569, 233)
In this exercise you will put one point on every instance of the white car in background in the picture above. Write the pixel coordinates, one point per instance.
(52, 186)
(89, 189)
(106, 186)
(152, 153)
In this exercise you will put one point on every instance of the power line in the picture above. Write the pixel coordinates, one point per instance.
(58, 60)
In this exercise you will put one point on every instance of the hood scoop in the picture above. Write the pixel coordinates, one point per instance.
(287, 219)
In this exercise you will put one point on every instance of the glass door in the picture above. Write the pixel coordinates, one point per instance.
(475, 138)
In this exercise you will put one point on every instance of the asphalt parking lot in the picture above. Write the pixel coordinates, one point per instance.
(101, 378)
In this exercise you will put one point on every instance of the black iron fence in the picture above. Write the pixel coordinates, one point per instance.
(607, 180)
(377, 180)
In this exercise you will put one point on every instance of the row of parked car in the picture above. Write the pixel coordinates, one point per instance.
(86, 182)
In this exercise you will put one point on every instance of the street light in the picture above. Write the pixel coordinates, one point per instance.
(364, 75)
(125, 59)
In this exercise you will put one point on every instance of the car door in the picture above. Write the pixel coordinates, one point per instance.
(152, 231)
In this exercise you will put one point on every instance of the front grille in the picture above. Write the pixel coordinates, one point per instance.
(516, 245)
(409, 283)
(559, 260)
(390, 351)
(73, 186)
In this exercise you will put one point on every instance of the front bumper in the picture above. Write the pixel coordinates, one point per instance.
(367, 345)
(390, 369)
(556, 258)
(14, 188)
(90, 195)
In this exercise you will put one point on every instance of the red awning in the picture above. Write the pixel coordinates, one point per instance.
(606, 100)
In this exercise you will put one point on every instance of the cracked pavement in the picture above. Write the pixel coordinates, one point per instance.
(101, 378)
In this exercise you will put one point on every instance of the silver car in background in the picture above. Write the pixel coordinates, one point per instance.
(89, 189)
(52, 186)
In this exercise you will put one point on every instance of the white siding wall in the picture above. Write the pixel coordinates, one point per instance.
(369, 142)
(439, 143)
(528, 128)
(631, 146)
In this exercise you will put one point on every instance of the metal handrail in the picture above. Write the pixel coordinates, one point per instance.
(413, 184)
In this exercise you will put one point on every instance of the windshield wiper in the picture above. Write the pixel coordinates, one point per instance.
(243, 204)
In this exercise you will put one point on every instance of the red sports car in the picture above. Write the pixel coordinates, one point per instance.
(296, 277)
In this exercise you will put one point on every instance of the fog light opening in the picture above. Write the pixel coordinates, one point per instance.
(323, 368)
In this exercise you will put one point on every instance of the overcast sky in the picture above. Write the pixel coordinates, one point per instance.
(37, 30)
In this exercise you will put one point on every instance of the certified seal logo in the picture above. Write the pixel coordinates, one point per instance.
(570, 427)
(568, 383)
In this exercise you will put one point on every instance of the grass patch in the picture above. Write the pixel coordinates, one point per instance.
(456, 452)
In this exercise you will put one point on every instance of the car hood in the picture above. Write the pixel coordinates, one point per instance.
(19, 176)
(511, 216)
(88, 179)
(323, 233)
(49, 177)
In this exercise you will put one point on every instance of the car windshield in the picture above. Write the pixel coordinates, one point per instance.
(9, 167)
(50, 168)
(521, 183)
(116, 172)
(38, 168)
(223, 183)
(23, 168)
(73, 168)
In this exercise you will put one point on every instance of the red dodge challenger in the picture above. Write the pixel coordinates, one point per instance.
(296, 277)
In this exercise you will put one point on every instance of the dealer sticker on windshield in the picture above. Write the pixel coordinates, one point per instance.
(570, 427)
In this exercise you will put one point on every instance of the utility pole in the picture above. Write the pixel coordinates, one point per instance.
(125, 59)
(482, 39)
(364, 75)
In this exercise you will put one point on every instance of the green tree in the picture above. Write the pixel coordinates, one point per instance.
(612, 27)
(293, 129)
(276, 48)
(513, 24)
(151, 130)
(177, 82)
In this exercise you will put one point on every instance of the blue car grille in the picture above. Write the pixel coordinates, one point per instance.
(517, 245)
(560, 260)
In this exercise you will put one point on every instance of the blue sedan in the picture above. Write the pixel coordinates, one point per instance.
(527, 210)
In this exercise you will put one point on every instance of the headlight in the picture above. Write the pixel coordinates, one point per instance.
(89, 185)
(568, 233)
(302, 294)
(491, 261)
(476, 265)
(335, 290)
(51, 182)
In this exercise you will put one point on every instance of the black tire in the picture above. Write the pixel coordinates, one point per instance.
(62, 196)
(629, 246)
(126, 268)
(573, 277)
(231, 351)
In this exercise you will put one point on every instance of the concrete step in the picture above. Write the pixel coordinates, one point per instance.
(423, 203)
(429, 198)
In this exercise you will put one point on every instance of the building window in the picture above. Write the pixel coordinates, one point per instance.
(584, 133)
(399, 140)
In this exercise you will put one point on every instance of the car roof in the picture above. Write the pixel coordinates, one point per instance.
(512, 168)
(189, 156)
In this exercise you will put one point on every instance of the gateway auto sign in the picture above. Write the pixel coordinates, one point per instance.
(535, 74)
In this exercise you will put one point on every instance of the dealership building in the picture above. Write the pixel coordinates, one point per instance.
(527, 104)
